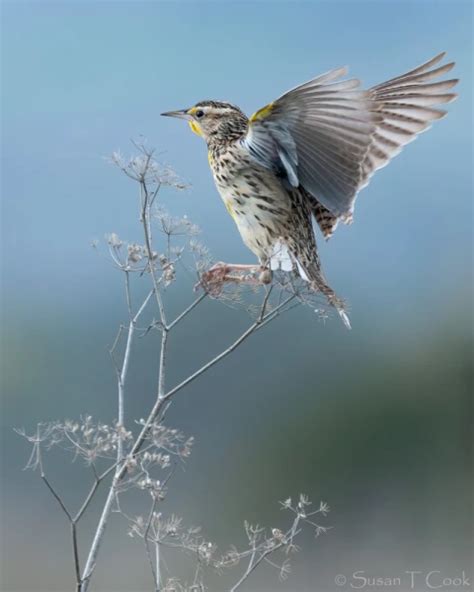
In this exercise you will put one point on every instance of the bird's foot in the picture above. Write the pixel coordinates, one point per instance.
(214, 279)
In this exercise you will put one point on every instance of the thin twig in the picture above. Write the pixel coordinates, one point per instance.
(262, 320)
(256, 561)
(98, 480)
(145, 219)
(121, 467)
(75, 550)
(56, 496)
(162, 365)
(87, 501)
(156, 581)
(187, 310)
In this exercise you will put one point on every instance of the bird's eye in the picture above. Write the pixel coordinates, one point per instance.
(199, 114)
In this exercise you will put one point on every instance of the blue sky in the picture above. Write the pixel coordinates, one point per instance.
(82, 78)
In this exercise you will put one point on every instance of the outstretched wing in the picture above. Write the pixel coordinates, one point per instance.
(406, 104)
(329, 136)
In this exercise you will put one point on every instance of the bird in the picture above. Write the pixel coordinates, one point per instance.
(301, 160)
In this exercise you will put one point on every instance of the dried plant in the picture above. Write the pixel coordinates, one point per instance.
(143, 454)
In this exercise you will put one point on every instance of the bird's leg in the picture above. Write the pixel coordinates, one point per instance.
(214, 278)
(264, 273)
(238, 266)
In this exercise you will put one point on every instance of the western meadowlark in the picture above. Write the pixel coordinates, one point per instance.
(306, 156)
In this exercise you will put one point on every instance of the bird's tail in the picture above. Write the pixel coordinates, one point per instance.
(319, 284)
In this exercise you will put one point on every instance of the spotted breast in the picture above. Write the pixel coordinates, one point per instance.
(257, 201)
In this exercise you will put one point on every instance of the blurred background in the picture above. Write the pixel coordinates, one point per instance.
(375, 421)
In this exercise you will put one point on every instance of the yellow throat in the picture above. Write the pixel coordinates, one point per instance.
(195, 128)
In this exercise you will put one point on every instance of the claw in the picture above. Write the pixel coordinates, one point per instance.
(265, 276)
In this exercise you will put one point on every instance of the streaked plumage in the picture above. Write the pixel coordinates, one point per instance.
(308, 154)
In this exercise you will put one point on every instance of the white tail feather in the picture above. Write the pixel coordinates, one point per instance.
(280, 257)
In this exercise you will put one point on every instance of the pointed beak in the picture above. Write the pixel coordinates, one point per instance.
(182, 114)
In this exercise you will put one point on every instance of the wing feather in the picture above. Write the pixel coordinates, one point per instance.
(406, 105)
(329, 136)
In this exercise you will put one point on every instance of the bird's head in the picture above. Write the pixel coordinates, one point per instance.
(215, 121)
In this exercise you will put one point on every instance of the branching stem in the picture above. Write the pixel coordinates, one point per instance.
(163, 397)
